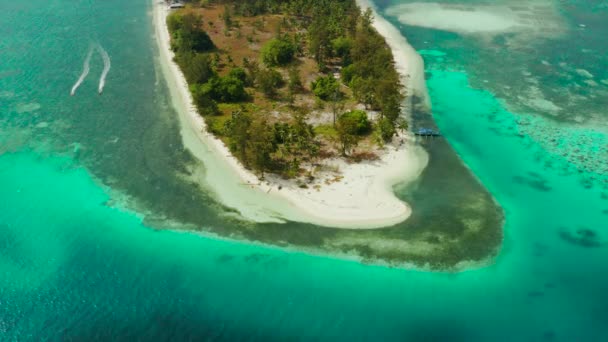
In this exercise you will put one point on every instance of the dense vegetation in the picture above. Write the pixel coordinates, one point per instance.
(335, 34)
(279, 51)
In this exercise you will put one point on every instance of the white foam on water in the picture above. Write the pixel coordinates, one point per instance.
(85, 71)
(106, 67)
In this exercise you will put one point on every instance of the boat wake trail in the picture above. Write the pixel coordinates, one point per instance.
(106, 67)
(85, 71)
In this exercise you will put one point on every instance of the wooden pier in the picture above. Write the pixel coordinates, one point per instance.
(427, 132)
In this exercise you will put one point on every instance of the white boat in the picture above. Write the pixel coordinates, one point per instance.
(176, 5)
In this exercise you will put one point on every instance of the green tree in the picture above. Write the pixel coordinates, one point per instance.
(278, 52)
(386, 129)
(227, 89)
(347, 136)
(196, 67)
(303, 138)
(269, 81)
(388, 98)
(240, 74)
(203, 100)
(348, 73)
(227, 16)
(187, 33)
(237, 129)
(325, 87)
(401, 124)
(232, 89)
(341, 47)
(295, 82)
(281, 132)
(261, 146)
(252, 69)
(357, 121)
(363, 89)
(174, 21)
(319, 43)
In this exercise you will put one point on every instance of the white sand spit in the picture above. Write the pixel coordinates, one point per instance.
(535, 18)
(435, 16)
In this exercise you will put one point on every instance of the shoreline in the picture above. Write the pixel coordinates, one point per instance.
(363, 199)
(411, 66)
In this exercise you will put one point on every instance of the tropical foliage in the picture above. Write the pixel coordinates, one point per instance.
(278, 52)
(334, 35)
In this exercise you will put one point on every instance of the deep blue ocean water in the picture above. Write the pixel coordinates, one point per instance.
(74, 268)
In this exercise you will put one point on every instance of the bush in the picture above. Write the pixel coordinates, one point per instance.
(187, 33)
(387, 129)
(240, 74)
(218, 89)
(216, 124)
(226, 89)
(278, 52)
(295, 82)
(269, 81)
(348, 73)
(326, 87)
(232, 89)
(356, 121)
(341, 47)
(203, 100)
(196, 67)
(174, 21)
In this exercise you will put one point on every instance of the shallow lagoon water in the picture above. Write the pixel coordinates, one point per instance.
(74, 267)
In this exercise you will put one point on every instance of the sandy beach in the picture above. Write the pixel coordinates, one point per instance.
(363, 198)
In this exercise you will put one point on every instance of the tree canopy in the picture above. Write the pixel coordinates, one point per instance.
(269, 81)
(326, 87)
(278, 52)
(187, 33)
(356, 121)
(330, 35)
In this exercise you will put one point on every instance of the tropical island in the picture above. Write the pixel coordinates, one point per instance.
(306, 96)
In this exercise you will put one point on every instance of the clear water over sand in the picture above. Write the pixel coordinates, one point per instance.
(74, 267)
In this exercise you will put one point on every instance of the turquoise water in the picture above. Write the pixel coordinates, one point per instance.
(74, 268)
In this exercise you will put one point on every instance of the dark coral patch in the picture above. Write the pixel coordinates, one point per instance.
(533, 181)
(225, 258)
(584, 237)
(535, 294)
